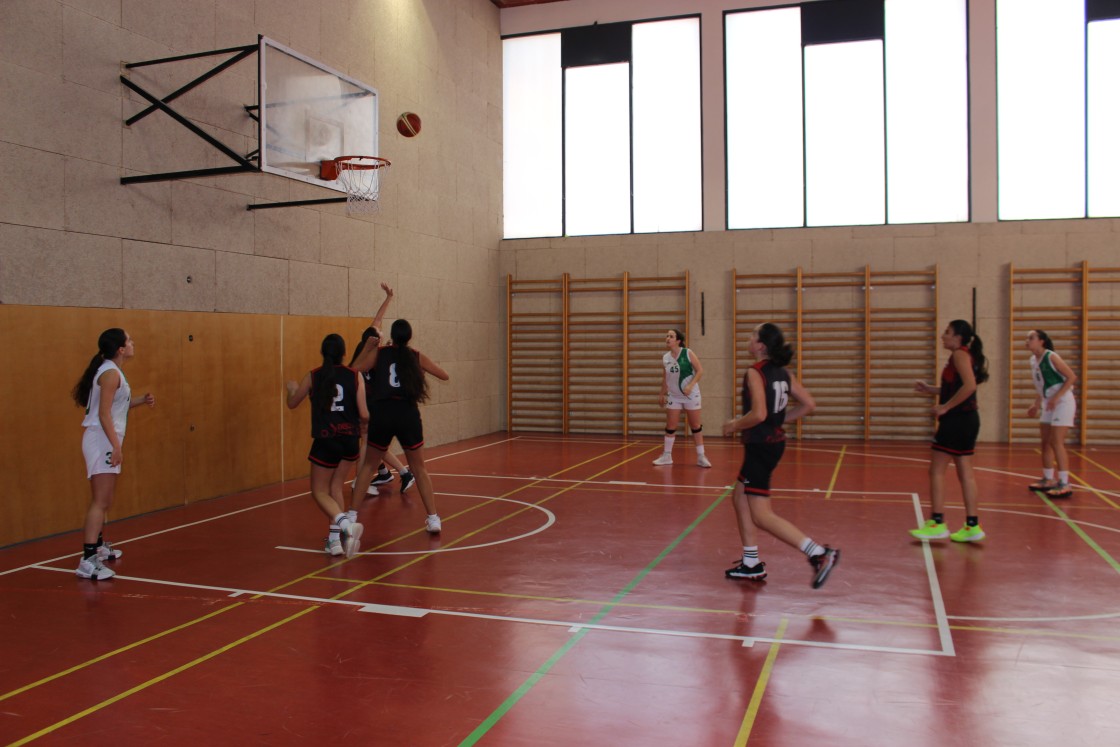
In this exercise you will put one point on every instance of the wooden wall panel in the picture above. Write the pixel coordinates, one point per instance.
(226, 382)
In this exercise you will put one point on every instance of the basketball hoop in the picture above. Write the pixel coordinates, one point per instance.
(360, 176)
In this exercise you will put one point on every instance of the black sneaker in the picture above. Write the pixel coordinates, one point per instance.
(757, 573)
(823, 565)
(382, 478)
(407, 481)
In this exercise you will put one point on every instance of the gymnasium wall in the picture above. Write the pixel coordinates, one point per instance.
(968, 255)
(80, 252)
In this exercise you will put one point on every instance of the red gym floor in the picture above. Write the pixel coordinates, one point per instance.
(577, 597)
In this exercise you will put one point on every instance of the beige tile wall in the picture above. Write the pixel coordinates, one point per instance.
(968, 256)
(72, 235)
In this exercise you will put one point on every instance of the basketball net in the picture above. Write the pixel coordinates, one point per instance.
(361, 177)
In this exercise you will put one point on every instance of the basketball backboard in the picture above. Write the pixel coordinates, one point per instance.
(309, 113)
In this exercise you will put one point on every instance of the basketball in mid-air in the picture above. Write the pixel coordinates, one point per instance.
(408, 124)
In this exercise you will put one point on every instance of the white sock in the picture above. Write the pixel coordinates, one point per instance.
(334, 531)
(811, 548)
(700, 449)
(352, 516)
(750, 556)
(342, 521)
(1063, 478)
(669, 440)
(1048, 474)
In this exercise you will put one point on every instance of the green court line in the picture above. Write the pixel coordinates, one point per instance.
(536, 677)
(1080, 532)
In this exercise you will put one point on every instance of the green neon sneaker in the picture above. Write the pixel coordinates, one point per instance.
(968, 534)
(931, 530)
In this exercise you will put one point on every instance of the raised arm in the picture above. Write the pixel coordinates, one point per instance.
(379, 317)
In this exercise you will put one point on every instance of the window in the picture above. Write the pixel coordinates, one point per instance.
(1058, 68)
(847, 112)
(602, 130)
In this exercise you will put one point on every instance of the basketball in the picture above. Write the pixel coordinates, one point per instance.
(408, 124)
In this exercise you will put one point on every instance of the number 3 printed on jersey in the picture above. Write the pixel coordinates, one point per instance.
(781, 395)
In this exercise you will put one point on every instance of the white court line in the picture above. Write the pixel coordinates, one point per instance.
(534, 478)
(473, 448)
(943, 631)
(221, 516)
(397, 611)
(991, 470)
(162, 531)
(551, 520)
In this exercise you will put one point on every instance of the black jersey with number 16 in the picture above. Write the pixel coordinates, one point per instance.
(775, 383)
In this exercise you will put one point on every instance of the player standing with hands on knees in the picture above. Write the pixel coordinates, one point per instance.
(104, 391)
(680, 389)
(1055, 408)
(767, 387)
(958, 425)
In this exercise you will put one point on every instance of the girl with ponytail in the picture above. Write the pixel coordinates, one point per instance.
(767, 387)
(398, 383)
(104, 392)
(958, 425)
(1055, 407)
(338, 413)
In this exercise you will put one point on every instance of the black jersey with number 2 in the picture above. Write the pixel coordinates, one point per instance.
(341, 417)
(775, 383)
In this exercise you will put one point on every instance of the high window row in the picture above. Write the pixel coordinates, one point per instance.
(838, 112)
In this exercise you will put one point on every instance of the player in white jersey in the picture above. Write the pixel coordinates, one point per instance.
(680, 389)
(104, 391)
(1055, 407)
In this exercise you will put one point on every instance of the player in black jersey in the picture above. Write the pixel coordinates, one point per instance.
(767, 387)
(958, 425)
(338, 414)
(384, 476)
(399, 386)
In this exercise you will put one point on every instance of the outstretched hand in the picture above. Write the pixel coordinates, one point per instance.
(388, 290)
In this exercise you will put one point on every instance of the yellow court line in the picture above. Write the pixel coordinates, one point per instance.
(156, 680)
(507, 517)
(1093, 490)
(760, 686)
(1095, 463)
(110, 654)
(223, 649)
(1087, 485)
(835, 472)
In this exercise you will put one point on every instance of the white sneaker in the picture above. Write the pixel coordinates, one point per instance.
(664, 460)
(108, 552)
(333, 546)
(91, 568)
(433, 524)
(353, 533)
(371, 490)
(703, 460)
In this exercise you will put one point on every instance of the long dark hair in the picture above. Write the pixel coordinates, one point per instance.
(110, 341)
(975, 346)
(323, 386)
(680, 336)
(369, 332)
(1044, 338)
(770, 335)
(409, 373)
